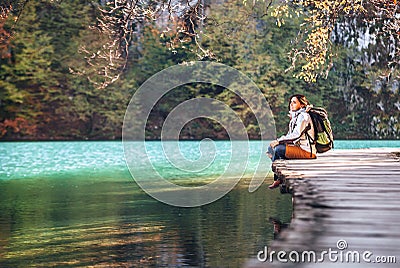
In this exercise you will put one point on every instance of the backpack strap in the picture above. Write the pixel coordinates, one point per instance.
(293, 126)
(309, 140)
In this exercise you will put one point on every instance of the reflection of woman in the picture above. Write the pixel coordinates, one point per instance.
(296, 144)
(278, 226)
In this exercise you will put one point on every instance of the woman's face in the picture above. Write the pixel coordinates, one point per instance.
(294, 104)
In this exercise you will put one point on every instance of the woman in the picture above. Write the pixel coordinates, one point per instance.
(297, 143)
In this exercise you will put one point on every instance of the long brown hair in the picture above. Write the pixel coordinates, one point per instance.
(301, 98)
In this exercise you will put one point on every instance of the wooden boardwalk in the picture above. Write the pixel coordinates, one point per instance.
(345, 197)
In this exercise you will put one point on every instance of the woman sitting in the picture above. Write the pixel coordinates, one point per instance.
(296, 144)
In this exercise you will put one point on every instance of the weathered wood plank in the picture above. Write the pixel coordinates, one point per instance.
(344, 194)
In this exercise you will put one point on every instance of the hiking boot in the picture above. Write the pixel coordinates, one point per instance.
(274, 184)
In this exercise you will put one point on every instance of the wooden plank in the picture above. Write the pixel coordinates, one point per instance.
(344, 194)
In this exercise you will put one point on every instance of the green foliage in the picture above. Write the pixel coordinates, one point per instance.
(46, 91)
(38, 86)
(26, 80)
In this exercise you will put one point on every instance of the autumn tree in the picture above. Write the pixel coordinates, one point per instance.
(71, 66)
(25, 82)
(120, 22)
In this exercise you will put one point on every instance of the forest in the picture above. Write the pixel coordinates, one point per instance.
(61, 81)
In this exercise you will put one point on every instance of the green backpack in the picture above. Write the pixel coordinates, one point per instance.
(323, 136)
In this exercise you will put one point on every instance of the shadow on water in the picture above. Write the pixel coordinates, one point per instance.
(109, 221)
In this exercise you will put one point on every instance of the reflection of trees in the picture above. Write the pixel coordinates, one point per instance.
(231, 229)
(83, 222)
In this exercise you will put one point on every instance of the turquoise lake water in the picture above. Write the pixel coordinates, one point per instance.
(46, 159)
(75, 204)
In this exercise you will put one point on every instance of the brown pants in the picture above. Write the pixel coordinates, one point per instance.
(295, 152)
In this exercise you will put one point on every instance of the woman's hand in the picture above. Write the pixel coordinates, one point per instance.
(274, 143)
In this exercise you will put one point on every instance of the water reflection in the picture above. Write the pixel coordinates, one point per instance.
(278, 226)
(111, 222)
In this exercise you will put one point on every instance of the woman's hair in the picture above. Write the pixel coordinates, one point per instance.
(301, 98)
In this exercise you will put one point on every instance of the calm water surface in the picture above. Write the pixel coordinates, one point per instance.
(75, 204)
